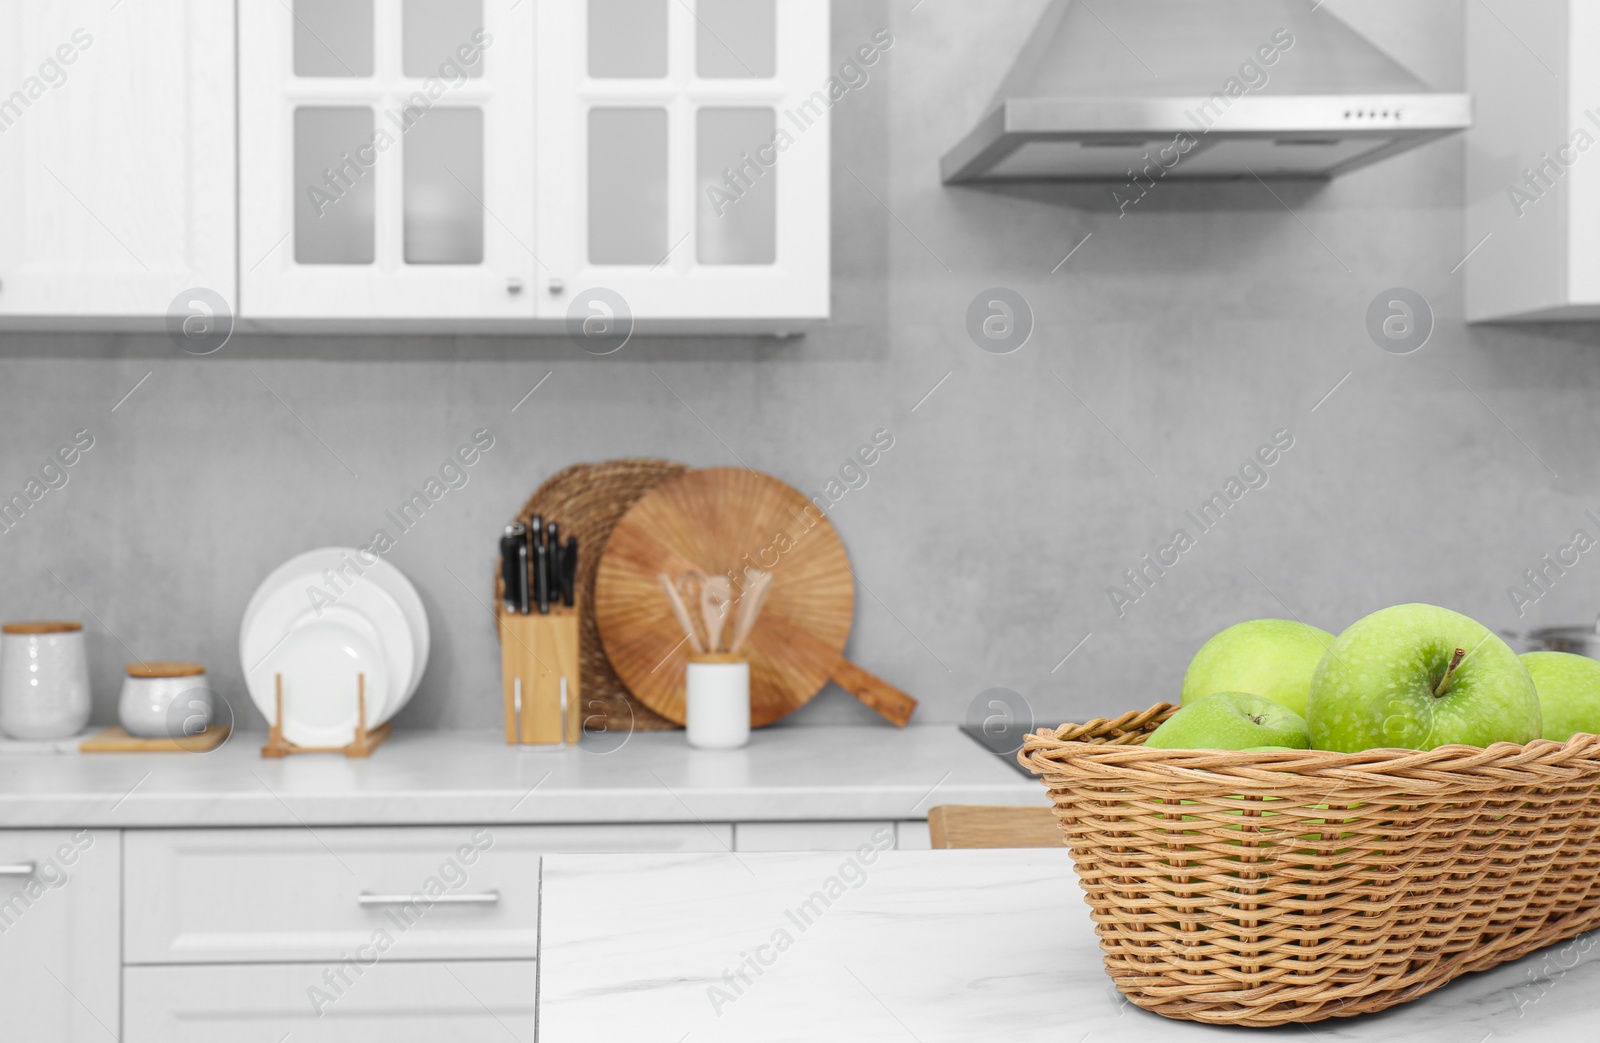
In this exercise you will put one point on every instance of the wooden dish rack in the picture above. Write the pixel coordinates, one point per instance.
(362, 744)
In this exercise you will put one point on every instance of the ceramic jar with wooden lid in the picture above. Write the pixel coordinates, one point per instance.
(165, 700)
(44, 680)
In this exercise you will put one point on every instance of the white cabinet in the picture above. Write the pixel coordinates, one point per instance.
(487, 1002)
(60, 928)
(386, 155)
(812, 836)
(684, 157)
(239, 895)
(431, 893)
(1533, 163)
(116, 159)
(470, 164)
(912, 836)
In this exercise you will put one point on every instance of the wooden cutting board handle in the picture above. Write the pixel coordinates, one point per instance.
(894, 705)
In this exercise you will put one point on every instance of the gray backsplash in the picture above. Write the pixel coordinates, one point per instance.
(1174, 342)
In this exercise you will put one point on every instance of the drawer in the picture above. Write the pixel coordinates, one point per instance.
(812, 836)
(463, 1002)
(232, 895)
(419, 893)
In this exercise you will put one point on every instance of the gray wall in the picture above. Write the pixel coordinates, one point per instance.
(986, 539)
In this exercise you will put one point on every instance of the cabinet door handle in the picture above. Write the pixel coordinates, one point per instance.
(487, 898)
(19, 869)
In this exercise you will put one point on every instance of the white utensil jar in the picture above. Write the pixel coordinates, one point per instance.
(44, 680)
(718, 702)
(165, 700)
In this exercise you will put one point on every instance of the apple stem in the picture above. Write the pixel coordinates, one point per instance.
(1449, 671)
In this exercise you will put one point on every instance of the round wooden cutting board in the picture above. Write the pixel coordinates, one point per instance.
(724, 521)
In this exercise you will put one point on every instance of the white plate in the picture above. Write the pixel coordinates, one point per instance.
(381, 574)
(363, 608)
(319, 662)
(374, 615)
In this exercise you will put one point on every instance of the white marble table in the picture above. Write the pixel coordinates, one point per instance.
(926, 946)
(442, 778)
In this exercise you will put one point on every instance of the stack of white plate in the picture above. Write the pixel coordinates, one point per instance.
(320, 621)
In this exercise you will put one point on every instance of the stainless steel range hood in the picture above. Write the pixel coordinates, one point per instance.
(1115, 89)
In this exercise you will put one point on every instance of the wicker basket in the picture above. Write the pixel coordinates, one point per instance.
(1265, 888)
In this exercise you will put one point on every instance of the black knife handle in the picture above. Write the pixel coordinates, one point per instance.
(530, 566)
(569, 573)
(541, 564)
(513, 567)
(508, 567)
(556, 568)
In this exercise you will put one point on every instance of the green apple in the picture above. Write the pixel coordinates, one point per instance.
(1272, 658)
(1230, 721)
(1418, 677)
(1569, 692)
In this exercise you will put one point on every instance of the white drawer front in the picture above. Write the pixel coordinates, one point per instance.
(231, 895)
(59, 912)
(387, 1003)
(812, 836)
(242, 895)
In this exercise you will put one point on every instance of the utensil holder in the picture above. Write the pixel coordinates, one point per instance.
(539, 667)
(717, 701)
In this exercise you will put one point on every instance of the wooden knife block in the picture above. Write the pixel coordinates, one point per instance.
(538, 658)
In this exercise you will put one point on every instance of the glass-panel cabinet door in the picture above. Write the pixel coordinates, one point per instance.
(387, 161)
(684, 159)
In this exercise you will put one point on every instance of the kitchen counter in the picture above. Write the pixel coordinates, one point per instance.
(919, 945)
(441, 778)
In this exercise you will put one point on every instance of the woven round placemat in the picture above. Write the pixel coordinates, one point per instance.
(1264, 888)
(588, 500)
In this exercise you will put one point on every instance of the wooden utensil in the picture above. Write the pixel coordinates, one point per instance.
(749, 610)
(715, 594)
(735, 524)
(680, 612)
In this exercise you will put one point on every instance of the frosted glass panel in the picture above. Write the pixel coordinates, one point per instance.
(333, 37)
(736, 39)
(736, 167)
(334, 194)
(627, 186)
(627, 39)
(443, 186)
(442, 38)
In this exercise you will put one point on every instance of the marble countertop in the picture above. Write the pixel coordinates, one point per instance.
(419, 777)
(921, 946)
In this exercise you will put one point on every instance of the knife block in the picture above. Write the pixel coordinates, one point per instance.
(539, 668)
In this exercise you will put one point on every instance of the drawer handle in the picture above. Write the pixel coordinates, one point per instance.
(19, 869)
(487, 898)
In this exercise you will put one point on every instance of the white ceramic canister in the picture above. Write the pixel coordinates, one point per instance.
(165, 700)
(44, 680)
(717, 701)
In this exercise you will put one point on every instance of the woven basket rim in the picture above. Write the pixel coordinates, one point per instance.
(1047, 753)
